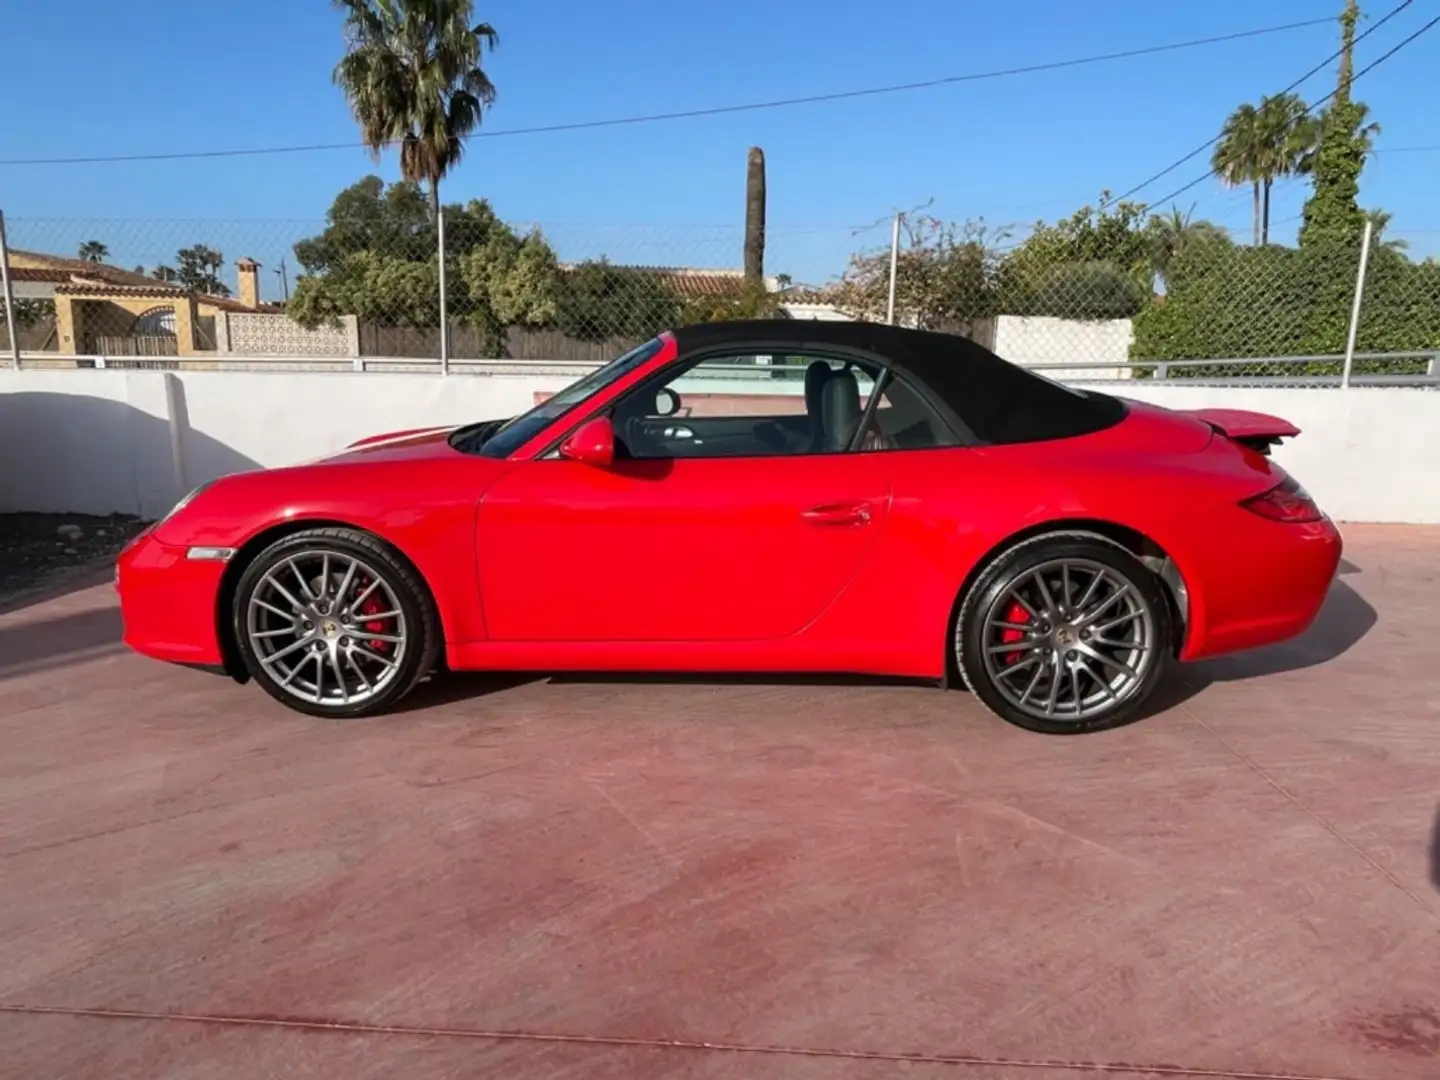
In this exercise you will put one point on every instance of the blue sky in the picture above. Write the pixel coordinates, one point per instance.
(95, 77)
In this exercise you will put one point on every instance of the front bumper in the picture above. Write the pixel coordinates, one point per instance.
(169, 602)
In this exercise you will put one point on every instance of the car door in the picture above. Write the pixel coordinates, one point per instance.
(681, 546)
(723, 549)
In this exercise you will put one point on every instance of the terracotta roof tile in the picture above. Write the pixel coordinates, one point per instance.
(101, 290)
(27, 273)
(97, 271)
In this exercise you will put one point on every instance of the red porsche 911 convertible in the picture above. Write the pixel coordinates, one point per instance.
(907, 504)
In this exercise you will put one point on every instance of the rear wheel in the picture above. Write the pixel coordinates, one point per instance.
(1064, 633)
(332, 622)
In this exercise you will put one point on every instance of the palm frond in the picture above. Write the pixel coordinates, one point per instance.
(412, 75)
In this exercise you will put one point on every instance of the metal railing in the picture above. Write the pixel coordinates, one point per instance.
(1303, 371)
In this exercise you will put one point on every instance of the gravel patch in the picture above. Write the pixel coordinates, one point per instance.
(44, 551)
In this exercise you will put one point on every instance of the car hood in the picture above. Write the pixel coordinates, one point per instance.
(405, 445)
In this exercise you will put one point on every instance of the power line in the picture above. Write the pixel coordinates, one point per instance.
(717, 110)
(1207, 145)
(1311, 108)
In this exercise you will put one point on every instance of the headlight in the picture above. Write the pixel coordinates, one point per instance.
(183, 503)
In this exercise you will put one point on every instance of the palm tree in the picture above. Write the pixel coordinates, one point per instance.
(1379, 220)
(1289, 136)
(1259, 145)
(1239, 155)
(412, 75)
(1168, 235)
(93, 251)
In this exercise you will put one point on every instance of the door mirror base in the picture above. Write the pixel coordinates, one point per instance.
(592, 443)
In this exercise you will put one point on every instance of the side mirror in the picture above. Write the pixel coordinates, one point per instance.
(592, 443)
(667, 402)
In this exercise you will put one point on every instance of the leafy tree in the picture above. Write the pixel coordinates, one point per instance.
(376, 287)
(378, 258)
(93, 251)
(1043, 275)
(368, 216)
(165, 274)
(509, 282)
(945, 276)
(30, 313)
(599, 300)
(520, 279)
(199, 270)
(751, 301)
(412, 74)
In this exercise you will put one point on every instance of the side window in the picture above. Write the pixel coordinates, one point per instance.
(902, 420)
(748, 405)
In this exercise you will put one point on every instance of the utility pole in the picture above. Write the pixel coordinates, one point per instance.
(894, 268)
(284, 280)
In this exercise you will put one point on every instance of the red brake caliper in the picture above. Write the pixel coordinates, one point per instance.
(1016, 614)
(373, 606)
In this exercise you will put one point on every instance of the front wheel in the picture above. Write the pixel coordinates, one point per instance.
(331, 622)
(1064, 633)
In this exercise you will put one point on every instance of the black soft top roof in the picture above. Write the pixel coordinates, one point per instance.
(999, 402)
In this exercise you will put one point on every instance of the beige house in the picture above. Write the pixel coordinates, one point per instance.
(103, 309)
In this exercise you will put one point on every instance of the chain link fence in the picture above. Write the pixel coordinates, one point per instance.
(367, 288)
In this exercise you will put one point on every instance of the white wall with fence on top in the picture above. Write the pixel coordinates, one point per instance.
(108, 441)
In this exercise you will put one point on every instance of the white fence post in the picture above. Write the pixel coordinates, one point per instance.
(10, 322)
(444, 314)
(1355, 307)
(894, 269)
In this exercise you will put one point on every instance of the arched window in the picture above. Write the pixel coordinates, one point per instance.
(157, 322)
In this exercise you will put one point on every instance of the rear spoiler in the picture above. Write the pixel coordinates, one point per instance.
(1254, 430)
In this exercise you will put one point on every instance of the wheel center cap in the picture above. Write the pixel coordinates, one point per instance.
(1064, 636)
(330, 629)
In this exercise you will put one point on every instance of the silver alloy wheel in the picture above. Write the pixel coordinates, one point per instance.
(327, 627)
(1069, 639)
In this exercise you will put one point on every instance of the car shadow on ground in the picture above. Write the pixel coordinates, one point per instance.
(27, 648)
(1435, 851)
(85, 576)
(1344, 619)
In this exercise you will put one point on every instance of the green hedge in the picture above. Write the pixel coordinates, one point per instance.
(1230, 302)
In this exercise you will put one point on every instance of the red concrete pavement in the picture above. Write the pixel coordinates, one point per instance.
(557, 878)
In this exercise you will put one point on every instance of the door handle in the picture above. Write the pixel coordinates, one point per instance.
(838, 514)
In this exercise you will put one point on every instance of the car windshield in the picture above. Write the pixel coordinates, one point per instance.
(517, 432)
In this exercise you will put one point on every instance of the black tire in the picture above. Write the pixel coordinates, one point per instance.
(1059, 648)
(417, 623)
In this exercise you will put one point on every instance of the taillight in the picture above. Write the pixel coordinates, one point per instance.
(1287, 502)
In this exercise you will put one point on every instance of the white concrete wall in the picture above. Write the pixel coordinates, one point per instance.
(1042, 339)
(92, 441)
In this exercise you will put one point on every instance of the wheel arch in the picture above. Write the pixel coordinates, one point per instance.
(1148, 551)
(247, 552)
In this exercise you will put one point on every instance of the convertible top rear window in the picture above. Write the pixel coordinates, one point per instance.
(1001, 402)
